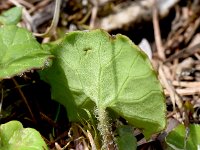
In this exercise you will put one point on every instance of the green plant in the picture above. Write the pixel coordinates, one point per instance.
(126, 139)
(20, 52)
(106, 75)
(92, 69)
(14, 136)
(11, 16)
(183, 138)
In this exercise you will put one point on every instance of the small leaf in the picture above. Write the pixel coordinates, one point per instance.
(11, 16)
(177, 137)
(14, 137)
(93, 68)
(19, 52)
(126, 139)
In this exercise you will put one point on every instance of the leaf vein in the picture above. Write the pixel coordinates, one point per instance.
(100, 74)
(123, 84)
(110, 62)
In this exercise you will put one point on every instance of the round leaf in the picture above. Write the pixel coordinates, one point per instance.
(110, 72)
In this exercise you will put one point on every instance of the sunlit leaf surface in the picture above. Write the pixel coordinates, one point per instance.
(94, 68)
(19, 52)
(14, 137)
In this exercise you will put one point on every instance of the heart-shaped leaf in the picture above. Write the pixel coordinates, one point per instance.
(93, 68)
(14, 137)
(19, 52)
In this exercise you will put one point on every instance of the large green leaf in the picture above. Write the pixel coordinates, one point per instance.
(93, 68)
(14, 137)
(178, 141)
(11, 16)
(19, 52)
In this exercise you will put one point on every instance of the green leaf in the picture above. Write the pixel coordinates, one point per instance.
(93, 68)
(14, 137)
(11, 16)
(176, 138)
(126, 139)
(19, 52)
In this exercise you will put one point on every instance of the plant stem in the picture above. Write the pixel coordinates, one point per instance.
(105, 129)
(54, 22)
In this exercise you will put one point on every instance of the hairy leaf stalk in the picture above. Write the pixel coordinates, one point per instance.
(105, 129)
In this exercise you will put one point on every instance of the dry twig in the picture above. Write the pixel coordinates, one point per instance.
(186, 84)
(173, 95)
(39, 5)
(186, 91)
(157, 35)
(94, 13)
(175, 98)
(24, 99)
(26, 3)
(54, 22)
